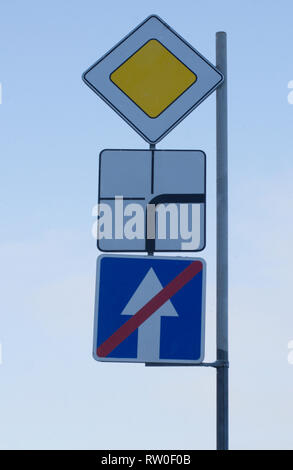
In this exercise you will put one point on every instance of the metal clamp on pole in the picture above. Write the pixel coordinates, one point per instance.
(221, 364)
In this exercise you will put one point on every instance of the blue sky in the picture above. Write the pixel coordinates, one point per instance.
(53, 394)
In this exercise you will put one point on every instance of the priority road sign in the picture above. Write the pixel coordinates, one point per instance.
(157, 313)
(170, 180)
(153, 78)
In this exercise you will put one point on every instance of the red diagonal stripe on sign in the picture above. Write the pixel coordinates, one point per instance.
(149, 308)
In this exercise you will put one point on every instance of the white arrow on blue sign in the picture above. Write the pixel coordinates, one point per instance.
(149, 309)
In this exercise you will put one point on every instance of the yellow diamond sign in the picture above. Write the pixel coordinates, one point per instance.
(153, 78)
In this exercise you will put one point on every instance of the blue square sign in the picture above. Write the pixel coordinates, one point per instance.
(150, 309)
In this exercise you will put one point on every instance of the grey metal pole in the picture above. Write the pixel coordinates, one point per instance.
(222, 249)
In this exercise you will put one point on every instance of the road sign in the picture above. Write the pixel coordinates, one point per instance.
(173, 181)
(157, 313)
(153, 78)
